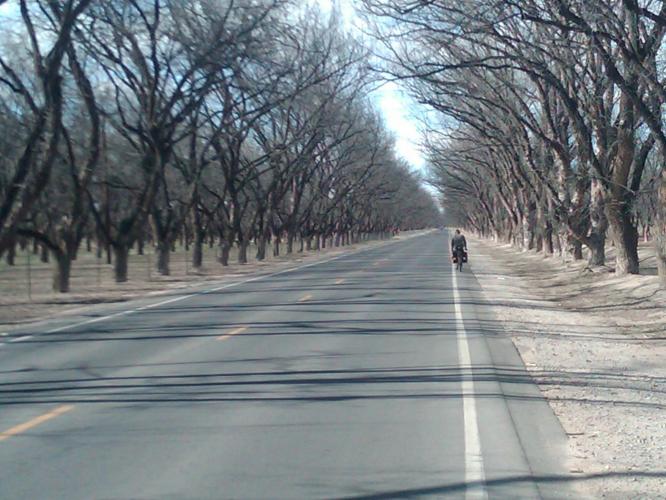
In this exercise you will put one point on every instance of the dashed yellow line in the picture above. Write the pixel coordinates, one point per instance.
(18, 429)
(305, 298)
(233, 332)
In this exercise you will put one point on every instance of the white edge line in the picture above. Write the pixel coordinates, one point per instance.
(21, 339)
(475, 476)
(230, 285)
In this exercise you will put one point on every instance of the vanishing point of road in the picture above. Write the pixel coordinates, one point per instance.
(380, 373)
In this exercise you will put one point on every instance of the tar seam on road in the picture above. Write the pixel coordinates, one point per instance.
(475, 476)
(18, 429)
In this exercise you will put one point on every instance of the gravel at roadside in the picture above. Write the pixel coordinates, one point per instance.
(596, 346)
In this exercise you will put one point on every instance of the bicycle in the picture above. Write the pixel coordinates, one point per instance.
(459, 259)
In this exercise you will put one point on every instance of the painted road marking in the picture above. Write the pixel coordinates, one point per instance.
(21, 339)
(475, 476)
(90, 321)
(339, 281)
(18, 429)
(233, 332)
(305, 298)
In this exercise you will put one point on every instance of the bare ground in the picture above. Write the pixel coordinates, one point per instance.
(26, 294)
(596, 345)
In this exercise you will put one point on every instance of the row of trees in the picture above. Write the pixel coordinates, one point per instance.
(549, 117)
(142, 121)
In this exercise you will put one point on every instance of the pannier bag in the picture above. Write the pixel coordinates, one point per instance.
(455, 259)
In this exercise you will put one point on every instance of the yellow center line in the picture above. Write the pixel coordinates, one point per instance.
(233, 332)
(18, 429)
(305, 298)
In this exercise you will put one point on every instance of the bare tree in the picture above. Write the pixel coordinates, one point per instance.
(39, 93)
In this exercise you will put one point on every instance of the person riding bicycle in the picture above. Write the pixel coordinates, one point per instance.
(458, 245)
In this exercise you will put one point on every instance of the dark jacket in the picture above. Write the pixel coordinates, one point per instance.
(458, 242)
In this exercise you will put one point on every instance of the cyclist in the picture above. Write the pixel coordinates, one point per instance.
(458, 248)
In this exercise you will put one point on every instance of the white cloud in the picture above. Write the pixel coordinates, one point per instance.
(396, 108)
(391, 101)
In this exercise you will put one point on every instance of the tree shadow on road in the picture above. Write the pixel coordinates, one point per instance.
(460, 487)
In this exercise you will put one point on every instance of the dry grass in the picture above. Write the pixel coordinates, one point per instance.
(26, 293)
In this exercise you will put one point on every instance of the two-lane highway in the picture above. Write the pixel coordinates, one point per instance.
(380, 374)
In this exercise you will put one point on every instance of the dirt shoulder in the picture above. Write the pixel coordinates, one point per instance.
(596, 346)
(93, 284)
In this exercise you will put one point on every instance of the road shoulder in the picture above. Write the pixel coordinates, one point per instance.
(592, 344)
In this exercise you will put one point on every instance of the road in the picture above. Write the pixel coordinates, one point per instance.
(378, 374)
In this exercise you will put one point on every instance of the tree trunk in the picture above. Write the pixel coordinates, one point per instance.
(597, 246)
(11, 255)
(527, 231)
(44, 254)
(290, 242)
(576, 249)
(261, 246)
(162, 252)
(625, 237)
(225, 249)
(276, 246)
(197, 251)
(121, 254)
(199, 238)
(660, 228)
(61, 272)
(242, 251)
(598, 225)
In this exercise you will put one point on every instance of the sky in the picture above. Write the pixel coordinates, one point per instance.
(397, 108)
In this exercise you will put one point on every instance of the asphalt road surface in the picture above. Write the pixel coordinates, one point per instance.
(378, 374)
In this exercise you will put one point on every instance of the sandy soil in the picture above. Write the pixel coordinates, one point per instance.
(596, 345)
(26, 297)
